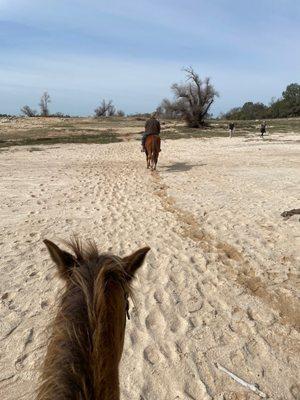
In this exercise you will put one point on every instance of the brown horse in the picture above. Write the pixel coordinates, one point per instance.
(86, 344)
(152, 146)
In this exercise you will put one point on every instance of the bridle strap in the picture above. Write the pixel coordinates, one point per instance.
(126, 302)
(127, 308)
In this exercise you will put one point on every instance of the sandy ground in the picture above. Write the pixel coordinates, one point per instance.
(218, 286)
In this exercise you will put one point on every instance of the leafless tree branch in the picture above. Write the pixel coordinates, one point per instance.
(192, 100)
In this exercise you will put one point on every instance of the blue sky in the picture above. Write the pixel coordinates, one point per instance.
(82, 51)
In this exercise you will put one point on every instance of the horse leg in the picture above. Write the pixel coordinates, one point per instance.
(155, 158)
(147, 163)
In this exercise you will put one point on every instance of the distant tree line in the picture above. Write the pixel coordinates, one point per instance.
(286, 106)
(191, 102)
(107, 109)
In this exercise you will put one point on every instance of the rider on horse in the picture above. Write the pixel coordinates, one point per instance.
(152, 127)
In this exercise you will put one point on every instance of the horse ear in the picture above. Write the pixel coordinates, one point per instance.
(135, 261)
(63, 260)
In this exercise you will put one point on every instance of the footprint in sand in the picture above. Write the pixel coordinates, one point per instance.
(44, 304)
(151, 355)
(159, 296)
(194, 304)
(19, 363)
(295, 391)
(155, 322)
(29, 338)
(174, 323)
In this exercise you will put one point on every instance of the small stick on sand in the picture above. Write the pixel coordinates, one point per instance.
(288, 214)
(242, 382)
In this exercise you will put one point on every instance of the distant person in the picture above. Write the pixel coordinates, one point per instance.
(263, 129)
(152, 127)
(231, 127)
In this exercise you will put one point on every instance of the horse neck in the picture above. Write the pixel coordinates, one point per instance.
(105, 364)
(81, 361)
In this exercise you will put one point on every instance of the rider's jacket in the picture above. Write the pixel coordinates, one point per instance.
(152, 126)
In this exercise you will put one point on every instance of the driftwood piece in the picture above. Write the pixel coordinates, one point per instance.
(249, 386)
(288, 214)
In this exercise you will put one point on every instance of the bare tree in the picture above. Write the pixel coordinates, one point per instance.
(105, 109)
(111, 110)
(192, 99)
(45, 100)
(170, 109)
(120, 113)
(101, 110)
(29, 112)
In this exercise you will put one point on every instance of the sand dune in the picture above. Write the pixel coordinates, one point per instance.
(219, 284)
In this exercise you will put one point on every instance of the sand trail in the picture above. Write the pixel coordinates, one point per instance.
(219, 284)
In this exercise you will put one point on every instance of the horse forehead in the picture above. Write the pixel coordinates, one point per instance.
(97, 263)
(108, 259)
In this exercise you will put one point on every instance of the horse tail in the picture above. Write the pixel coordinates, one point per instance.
(153, 146)
(157, 145)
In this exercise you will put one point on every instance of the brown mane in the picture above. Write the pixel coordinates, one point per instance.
(89, 322)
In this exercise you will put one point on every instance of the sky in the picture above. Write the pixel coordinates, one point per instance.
(83, 51)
